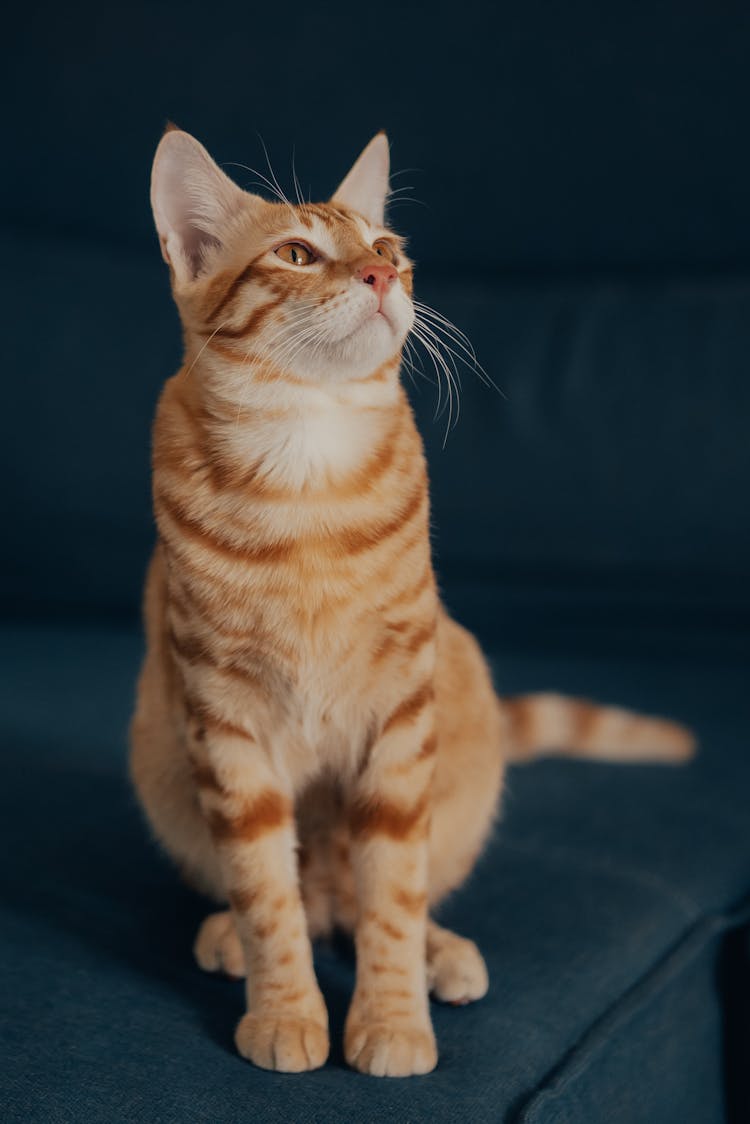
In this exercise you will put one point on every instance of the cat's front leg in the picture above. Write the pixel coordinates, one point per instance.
(388, 1028)
(250, 813)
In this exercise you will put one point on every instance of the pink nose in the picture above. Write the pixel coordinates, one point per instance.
(381, 277)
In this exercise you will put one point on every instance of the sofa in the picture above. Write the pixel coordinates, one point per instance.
(576, 183)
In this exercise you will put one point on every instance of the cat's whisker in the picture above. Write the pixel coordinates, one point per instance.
(251, 360)
(407, 359)
(297, 188)
(271, 186)
(280, 190)
(447, 355)
(205, 345)
(427, 310)
(399, 195)
(431, 330)
(317, 346)
(255, 358)
(467, 358)
(262, 179)
(443, 324)
(299, 319)
(405, 199)
(271, 171)
(415, 359)
(448, 338)
(454, 383)
(439, 407)
(291, 324)
(433, 346)
(317, 333)
(283, 344)
(282, 354)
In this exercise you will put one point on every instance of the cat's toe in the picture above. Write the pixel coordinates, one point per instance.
(217, 947)
(457, 972)
(386, 1051)
(286, 1044)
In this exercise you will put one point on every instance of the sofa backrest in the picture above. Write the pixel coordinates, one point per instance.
(585, 176)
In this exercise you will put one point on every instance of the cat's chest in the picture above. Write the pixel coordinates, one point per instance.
(304, 449)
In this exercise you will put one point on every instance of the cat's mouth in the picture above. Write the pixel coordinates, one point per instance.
(381, 314)
(374, 333)
(373, 318)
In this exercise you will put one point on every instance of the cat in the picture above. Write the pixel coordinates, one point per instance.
(316, 742)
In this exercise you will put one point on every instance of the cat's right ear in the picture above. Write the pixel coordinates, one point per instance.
(193, 202)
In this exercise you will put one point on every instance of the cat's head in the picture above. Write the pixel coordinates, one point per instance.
(322, 291)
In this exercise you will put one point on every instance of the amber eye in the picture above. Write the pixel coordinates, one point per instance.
(385, 249)
(295, 253)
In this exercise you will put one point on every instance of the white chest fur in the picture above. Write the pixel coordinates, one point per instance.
(311, 435)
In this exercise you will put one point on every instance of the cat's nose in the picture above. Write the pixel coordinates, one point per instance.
(381, 277)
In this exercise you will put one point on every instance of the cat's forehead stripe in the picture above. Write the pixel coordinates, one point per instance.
(331, 216)
(339, 219)
(337, 229)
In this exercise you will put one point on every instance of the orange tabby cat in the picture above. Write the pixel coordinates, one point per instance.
(316, 742)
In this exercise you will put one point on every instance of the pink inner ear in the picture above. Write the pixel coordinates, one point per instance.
(192, 201)
(177, 219)
(194, 243)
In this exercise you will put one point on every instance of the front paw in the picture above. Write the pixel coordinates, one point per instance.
(390, 1049)
(285, 1043)
(456, 971)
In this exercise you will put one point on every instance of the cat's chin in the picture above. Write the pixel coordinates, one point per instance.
(360, 353)
(375, 333)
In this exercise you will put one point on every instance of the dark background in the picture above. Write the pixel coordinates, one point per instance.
(584, 179)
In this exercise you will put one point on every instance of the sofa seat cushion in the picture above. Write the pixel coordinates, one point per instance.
(599, 905)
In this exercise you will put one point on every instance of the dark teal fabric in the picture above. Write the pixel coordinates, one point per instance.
(601, 884)
(583, 136)
(643, 1070)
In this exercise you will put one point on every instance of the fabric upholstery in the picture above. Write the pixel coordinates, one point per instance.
(600, 906)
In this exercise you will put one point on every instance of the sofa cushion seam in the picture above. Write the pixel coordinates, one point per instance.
(650, 983)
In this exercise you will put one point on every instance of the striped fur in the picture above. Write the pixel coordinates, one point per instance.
(315, 741)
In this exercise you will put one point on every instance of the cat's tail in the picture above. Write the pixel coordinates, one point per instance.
(543, 724)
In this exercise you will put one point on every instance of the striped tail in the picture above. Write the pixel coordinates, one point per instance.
(542, 724)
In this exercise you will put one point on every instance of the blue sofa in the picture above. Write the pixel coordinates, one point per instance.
(586, 175)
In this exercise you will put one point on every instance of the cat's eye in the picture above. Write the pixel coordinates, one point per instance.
(383, 247)
(296, 253)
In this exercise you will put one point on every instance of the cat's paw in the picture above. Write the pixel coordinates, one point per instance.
(456, 972)
(384, 1050)
(281, 1042)
(217, 947)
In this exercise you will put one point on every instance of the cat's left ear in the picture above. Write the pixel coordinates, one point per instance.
(365, 188)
